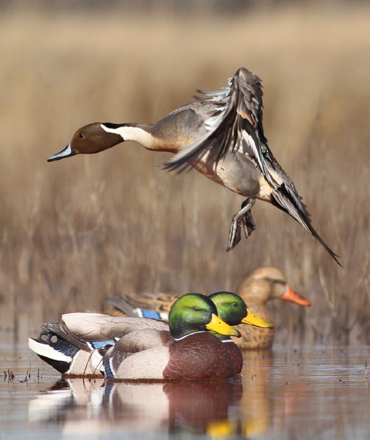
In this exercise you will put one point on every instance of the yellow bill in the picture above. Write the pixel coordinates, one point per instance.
(252, 319)
(221, 428)
(219, 326)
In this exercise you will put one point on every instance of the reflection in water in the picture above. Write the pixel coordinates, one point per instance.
(204, 407)
(182, 407)
(256, 403)
(316, 393)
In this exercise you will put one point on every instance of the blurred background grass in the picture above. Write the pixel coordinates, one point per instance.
(75, 231)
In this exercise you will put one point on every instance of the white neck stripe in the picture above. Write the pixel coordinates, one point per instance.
(191, 334)
(129, 133)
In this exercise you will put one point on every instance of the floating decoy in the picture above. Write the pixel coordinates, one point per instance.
(232, 309)
(89, 344)
(262, 285)
(221, 136)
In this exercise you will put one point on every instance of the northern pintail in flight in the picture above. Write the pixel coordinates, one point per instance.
(221, 135)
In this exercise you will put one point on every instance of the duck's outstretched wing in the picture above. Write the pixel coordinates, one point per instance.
(236, 124)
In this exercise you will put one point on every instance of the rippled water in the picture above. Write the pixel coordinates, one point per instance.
(315, 393)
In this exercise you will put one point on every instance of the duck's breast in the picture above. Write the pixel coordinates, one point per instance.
(235, 355)
(199, 356)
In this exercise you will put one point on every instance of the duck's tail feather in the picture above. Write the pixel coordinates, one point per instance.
(281, 198)
(65, 356)
(62, 331)
(55, 351)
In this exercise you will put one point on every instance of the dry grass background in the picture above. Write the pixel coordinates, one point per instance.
(75, 231)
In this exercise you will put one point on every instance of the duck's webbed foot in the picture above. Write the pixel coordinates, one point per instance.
(248, 224)
(243, 217)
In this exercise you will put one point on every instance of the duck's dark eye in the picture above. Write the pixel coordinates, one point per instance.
(234, 304)
(196, 308)
(81, 135)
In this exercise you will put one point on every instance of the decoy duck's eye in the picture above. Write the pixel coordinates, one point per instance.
(81, 135)
(234, 304)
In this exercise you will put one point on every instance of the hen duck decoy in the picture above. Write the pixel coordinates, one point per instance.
(222, 137)
(262, 285)
(76, 346)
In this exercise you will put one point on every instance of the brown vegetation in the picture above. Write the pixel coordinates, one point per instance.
(75, 231)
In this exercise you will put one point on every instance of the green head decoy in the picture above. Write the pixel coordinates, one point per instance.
(233, 310)
(194, 312)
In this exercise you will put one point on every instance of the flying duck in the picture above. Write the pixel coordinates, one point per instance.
(221, 135)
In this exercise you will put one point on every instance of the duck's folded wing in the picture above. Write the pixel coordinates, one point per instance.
(144, 303)
(100, 327)
(236, 124)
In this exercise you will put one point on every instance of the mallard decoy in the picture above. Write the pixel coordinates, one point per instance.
(222, 137)
(72, 347)
(262, 285)
(232, 309)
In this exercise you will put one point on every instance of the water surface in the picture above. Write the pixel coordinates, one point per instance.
(315, 393)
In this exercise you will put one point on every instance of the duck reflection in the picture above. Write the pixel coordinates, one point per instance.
(203, 408)
(61, 399)
(184, 407)
(255, 405)
(139, 407)
(215, 409)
